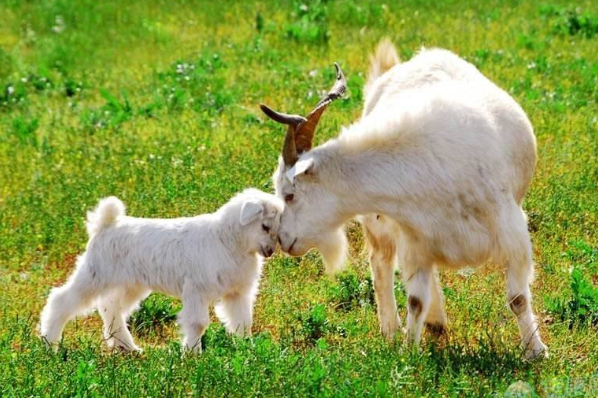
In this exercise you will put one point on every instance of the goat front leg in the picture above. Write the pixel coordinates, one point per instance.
(383, 277)
(383, 259)
(194, 318)
(236, 311)
(418, 286)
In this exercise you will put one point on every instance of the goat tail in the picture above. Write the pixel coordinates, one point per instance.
(104, 215)
(385, 57)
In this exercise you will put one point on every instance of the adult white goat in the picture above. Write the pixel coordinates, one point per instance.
(439, 163)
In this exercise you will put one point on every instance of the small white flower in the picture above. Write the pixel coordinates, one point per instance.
(59, 27)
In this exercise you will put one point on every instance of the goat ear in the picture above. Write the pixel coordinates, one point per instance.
(304, 166)
(250, 210)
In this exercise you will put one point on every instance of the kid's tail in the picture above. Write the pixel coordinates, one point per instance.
(105, 215)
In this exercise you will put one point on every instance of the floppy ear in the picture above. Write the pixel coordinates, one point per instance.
(250, 210)
(301, 167)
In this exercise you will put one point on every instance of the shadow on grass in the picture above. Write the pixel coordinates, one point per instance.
(487, 358)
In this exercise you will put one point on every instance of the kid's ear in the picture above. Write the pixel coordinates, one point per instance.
(250, 210)
(305, 166)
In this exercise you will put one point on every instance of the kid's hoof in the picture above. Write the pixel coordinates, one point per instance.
(537, 353)
(126, 349)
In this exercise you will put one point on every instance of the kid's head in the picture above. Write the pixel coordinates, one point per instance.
(260, 218)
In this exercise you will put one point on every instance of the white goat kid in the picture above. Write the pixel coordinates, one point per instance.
(209, 258)
(439, 163)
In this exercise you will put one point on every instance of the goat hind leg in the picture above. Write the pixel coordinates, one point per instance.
(418, 301)
(66, 302)
(436, 318)
(520, 302)
(519, 277)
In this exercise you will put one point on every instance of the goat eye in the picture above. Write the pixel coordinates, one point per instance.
(265, 228)
(289, 197)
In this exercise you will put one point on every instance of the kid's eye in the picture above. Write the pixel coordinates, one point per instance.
(289, 197)
(265, 228)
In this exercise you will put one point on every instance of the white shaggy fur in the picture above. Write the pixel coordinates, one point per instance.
(209, 258)
(445, 157)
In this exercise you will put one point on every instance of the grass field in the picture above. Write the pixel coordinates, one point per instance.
(156, 102)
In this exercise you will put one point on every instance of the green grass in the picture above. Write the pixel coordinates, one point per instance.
(157, 102)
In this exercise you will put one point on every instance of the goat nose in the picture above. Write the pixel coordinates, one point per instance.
(270, 252)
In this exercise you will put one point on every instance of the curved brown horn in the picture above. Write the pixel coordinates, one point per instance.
(289, 150)
(304, 134)
(291, 120)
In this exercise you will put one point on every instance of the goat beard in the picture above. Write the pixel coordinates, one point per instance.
(334, 249)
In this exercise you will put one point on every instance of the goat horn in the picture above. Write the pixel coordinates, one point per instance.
(290, 120)
(289, 150)
(304, 135)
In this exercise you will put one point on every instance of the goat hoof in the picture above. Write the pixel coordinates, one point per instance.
(537, 353)
(389, 329)
(125, 349)
(436, 330)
